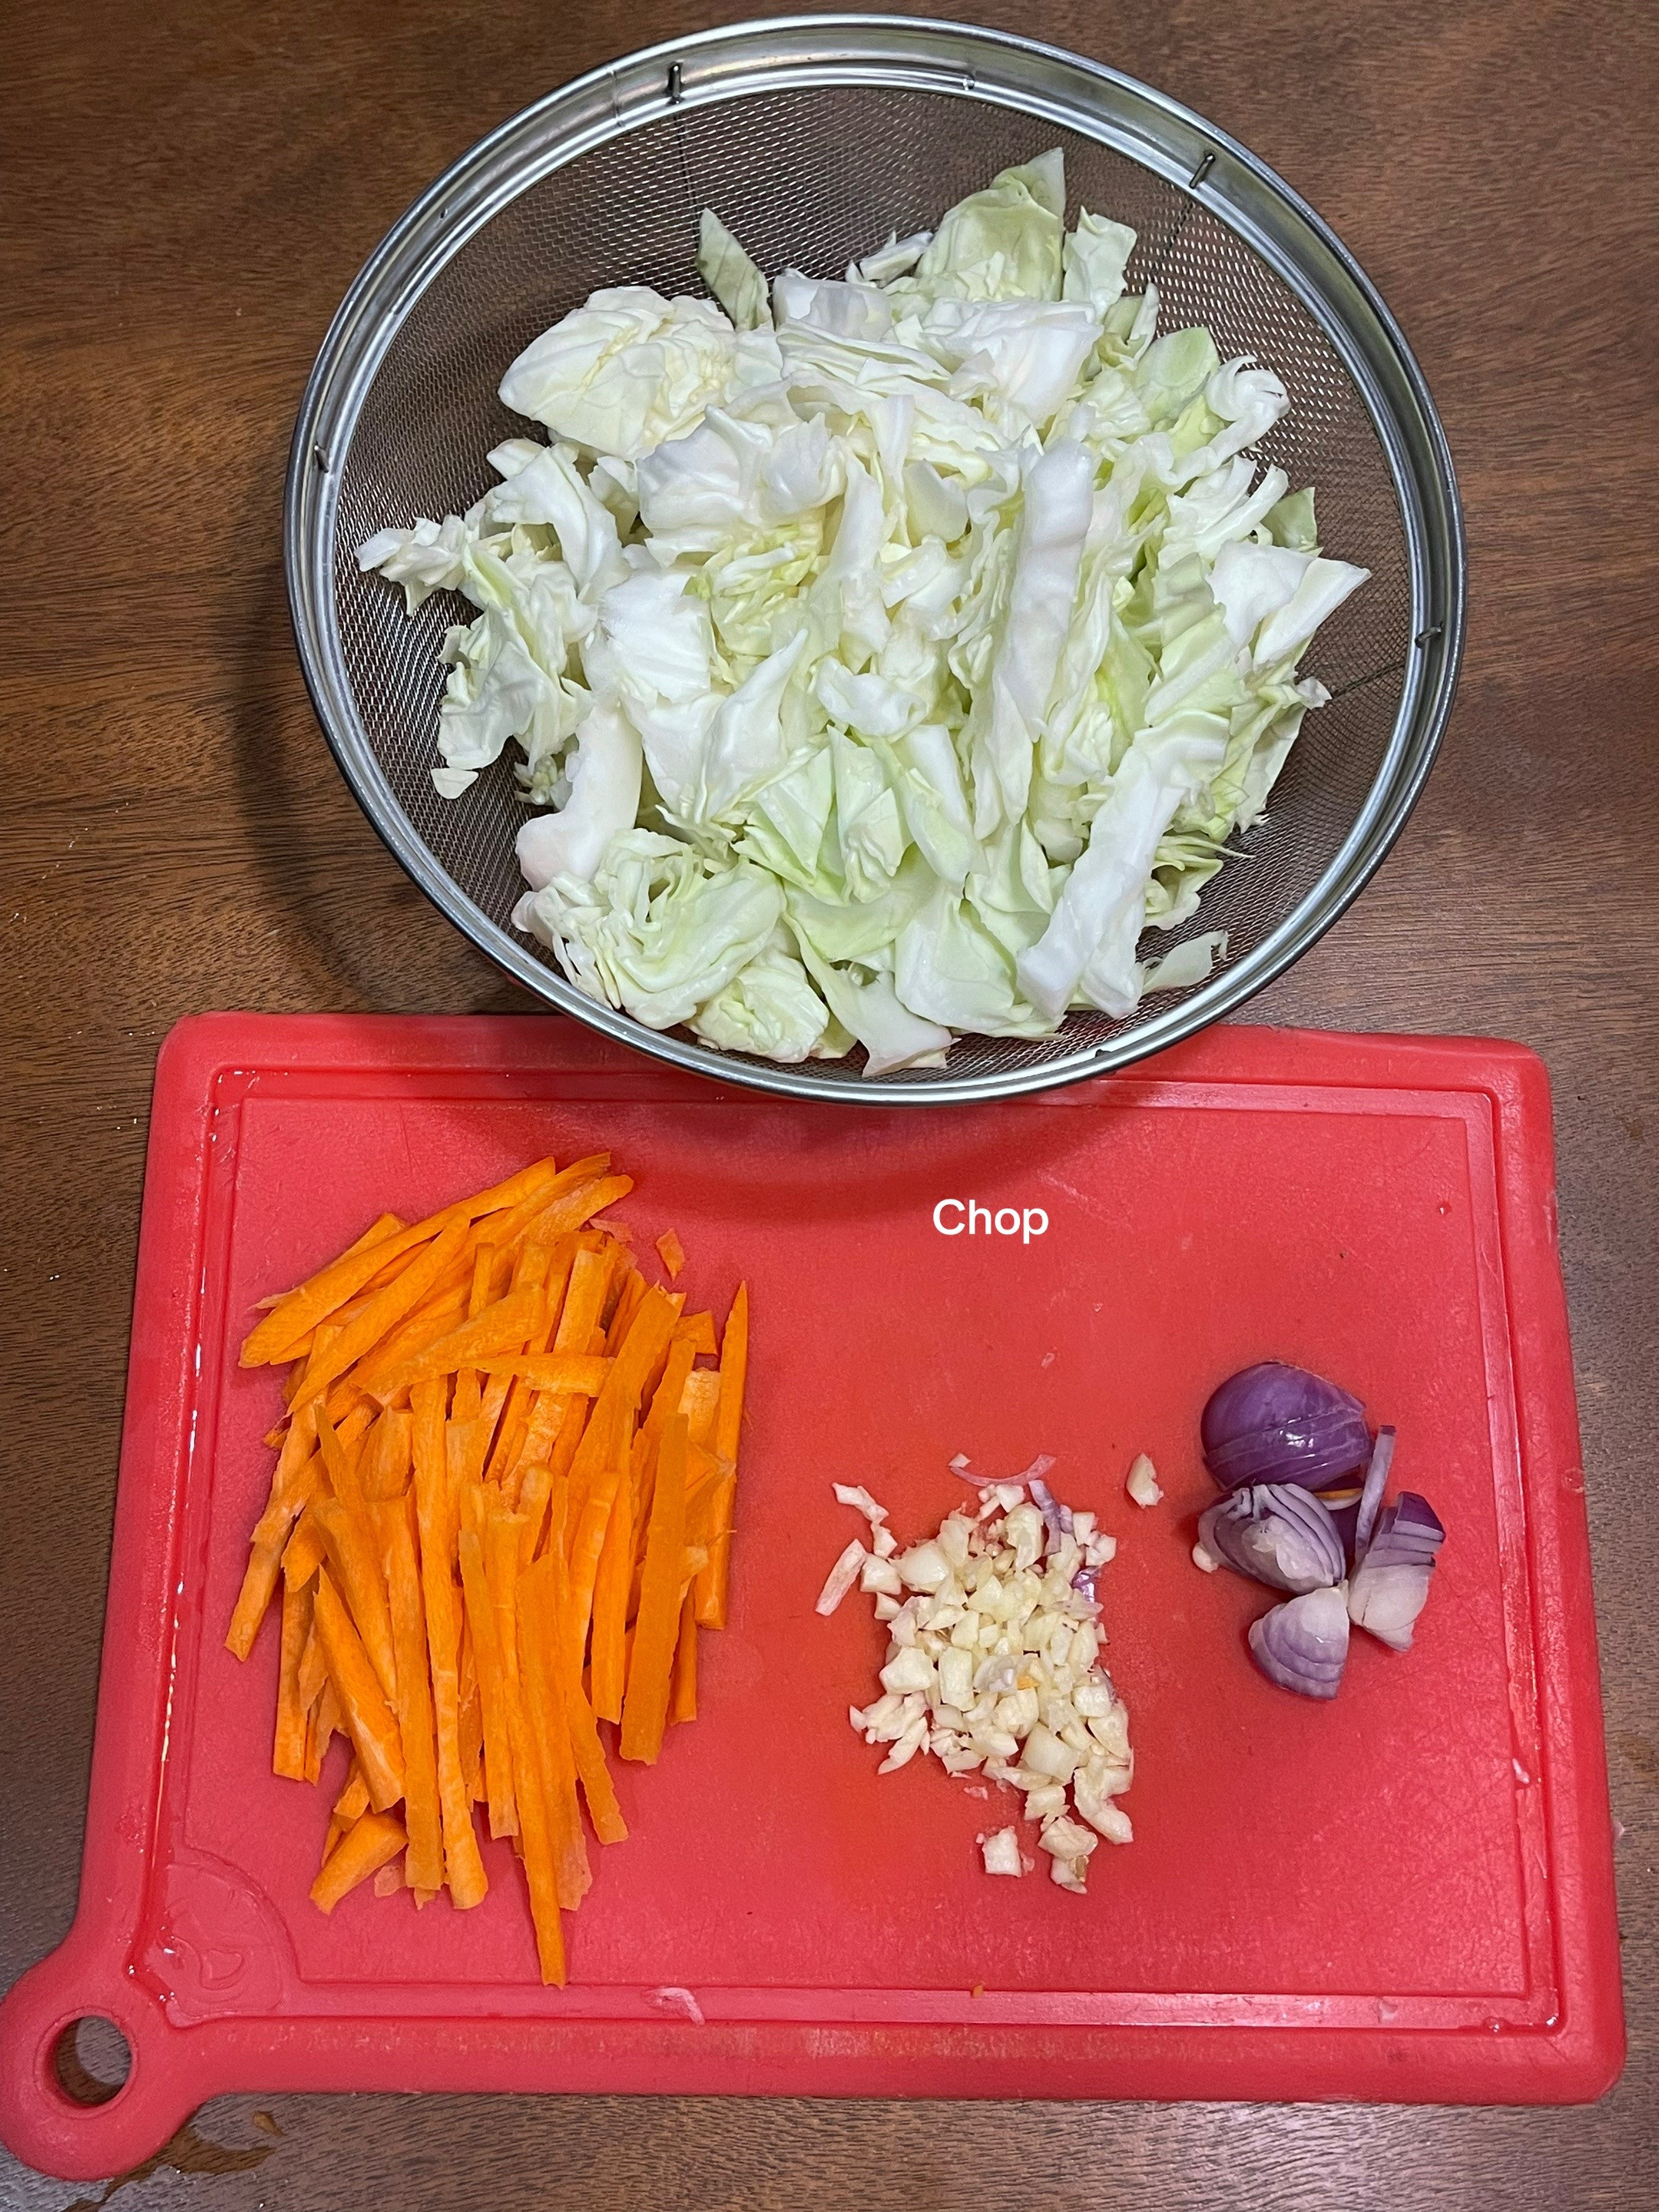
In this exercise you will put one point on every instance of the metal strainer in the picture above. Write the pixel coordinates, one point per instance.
(814, 137)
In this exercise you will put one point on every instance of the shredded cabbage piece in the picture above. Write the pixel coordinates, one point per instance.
(889, 652)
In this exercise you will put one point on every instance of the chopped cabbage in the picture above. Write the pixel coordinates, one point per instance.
(888, 652)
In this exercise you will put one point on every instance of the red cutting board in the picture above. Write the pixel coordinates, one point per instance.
(1405, 1894)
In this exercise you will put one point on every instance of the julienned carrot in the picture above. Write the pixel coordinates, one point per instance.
(501, 1547)
(700, 1402)
(353, 1800)
(613, 1583)
(444, 1310)
(555, 1761)
(531, 1506)
(387, 1224)
(368, 1718)
(364, 1848)
(671, 1253)
(505, 1455)
(589, 1278)
(492, 1688)
(576, 1208)
(288, 1756)
(564, 1373)
(313, 1669)
(734, 1368)
(463, 1866)
(698, 1330)
(324, 1724)
(386, 1474)
(304, 1552)
(472, 1722)
(639, 1349)
(330, 1288)
(666, 1399)
(287, 1501)
(621, 1319)
(421, 1816)
(360, 1579)
(386, 1309)
(682, 1704)
(499, 1328)
(651, 1664)
(509, 1356)
(587, 1751)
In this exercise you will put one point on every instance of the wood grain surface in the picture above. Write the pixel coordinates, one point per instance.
(189, 191)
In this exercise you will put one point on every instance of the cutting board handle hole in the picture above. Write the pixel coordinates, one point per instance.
(92, 2060)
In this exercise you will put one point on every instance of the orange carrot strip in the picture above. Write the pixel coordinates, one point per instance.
(590, 1279)
(384, 1310)
(387, 1225)
(359, 1576)
(576, 1207)
(421, 1817)
(650, 1665)
(666, 1399)
(534, 1491)
(506, 1454)
(501, 1547)
(353, 1800)
(682, 1704)
(500, 1328)
(556, 1761)
(639, 1348)
(330, 1288)
(304, 1553)
(487, 1653)
(699, 1329)
(288, 1750)
(341, 1467)
(361, 1851)
(734, 1365)
(567, 1374)
(711, 1585)
(384, 1463)
(622, 1320)
(471, 1724)
(589, 1276)
(700, 1402)
(671, 1253)
(326, 1723)
(587, 1751)
(433, 1319)
(313, 1669)
(367, 1717)
(287, 1501)
(463, 1864)
(613, 1580)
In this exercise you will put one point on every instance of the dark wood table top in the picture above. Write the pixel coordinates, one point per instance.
(191, 189)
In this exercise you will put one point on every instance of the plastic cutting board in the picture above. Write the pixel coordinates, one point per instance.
(1406, 1895)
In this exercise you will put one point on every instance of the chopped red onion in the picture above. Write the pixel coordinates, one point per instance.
(1302, 1644)
(1084, 1581)
(1278, 1533)
(1277, 1423)
(1370, 1498)
(1390, 1585)
(1057, 1518)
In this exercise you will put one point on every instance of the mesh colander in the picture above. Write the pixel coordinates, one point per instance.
(814, 137)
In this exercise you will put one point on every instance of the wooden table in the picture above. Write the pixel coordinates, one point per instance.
(190, 190)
